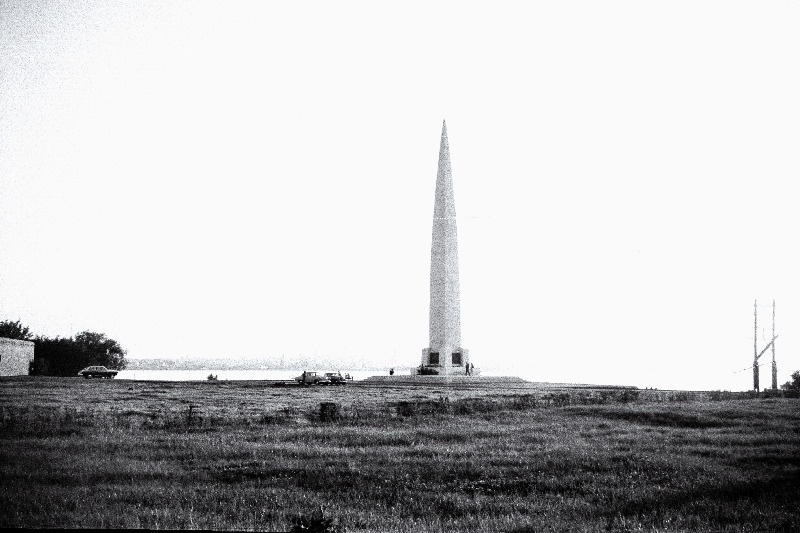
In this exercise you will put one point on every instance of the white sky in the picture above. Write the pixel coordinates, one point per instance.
(257, 179)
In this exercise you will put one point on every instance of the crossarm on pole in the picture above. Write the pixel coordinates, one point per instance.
(766, 347)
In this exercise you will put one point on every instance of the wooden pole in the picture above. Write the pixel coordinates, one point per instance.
(774, 364)
(755, 345)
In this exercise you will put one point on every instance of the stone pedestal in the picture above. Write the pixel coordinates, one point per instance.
(446, 362)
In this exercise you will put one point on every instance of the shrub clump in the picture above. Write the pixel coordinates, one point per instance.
(423, 407)
(317, 523)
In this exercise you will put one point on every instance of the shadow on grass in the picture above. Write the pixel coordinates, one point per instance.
(655, 418)
(766, 505)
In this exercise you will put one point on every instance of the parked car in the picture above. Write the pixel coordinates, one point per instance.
(310, 378)
(336, 378)
(97, 372)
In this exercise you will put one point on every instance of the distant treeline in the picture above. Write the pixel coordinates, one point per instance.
(66, 356)
(244, 363)
(197, 364)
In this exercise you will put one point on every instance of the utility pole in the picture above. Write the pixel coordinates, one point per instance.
(755, 345)
(757, 354)
(774, 364)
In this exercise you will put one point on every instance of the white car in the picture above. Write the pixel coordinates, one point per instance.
(97, 372)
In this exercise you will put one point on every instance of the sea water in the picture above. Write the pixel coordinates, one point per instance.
(254, 375)
(235, 375)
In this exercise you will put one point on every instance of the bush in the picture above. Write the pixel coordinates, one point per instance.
(316, 524)
(557, 399)
(425, 407)
(328, 412)
(628, 395)
(720, 395)
(794, 384)
(67, 356)
(681, 396)
(15, 330)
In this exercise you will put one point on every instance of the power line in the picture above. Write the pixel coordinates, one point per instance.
(746, 369)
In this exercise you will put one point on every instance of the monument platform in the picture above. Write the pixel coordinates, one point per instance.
(490, 382)
(443, 380)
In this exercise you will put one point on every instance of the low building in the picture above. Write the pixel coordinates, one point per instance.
(15, 357)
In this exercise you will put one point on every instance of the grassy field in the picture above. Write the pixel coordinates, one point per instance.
(238, 455)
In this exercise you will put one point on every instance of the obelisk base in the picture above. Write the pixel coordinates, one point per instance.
(444, 363)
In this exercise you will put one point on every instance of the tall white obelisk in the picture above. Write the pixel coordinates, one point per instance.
(444, 353)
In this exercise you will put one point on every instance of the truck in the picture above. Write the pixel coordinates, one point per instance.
(336, 378)
(328, 378)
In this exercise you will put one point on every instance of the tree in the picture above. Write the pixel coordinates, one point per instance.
(67, 356)
(106, 351)
(55, 357)
(15, 330)
(793, 385)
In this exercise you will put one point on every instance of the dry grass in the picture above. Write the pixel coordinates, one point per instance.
(84, 454)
